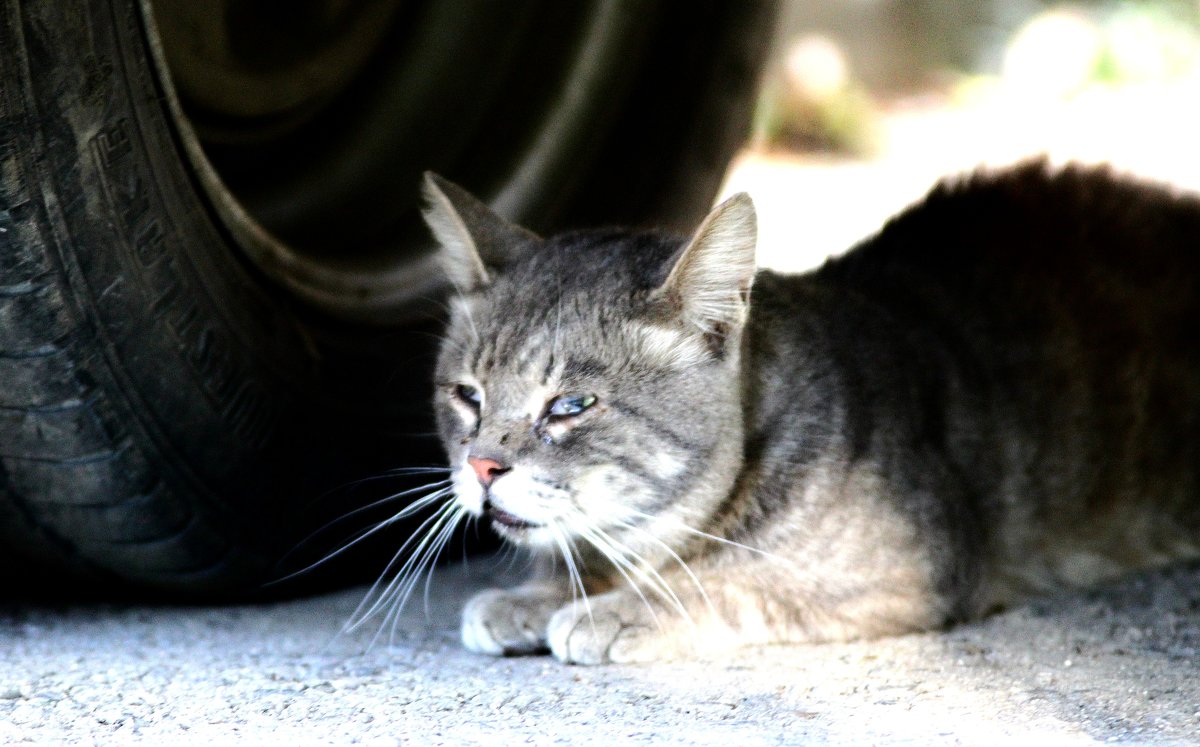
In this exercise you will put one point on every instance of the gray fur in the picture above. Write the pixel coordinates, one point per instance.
(468, 252)
(997, 395)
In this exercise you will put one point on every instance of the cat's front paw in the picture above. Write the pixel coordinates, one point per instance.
(508, 622)
(613, 628)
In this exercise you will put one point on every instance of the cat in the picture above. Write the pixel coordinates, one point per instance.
(997, 395)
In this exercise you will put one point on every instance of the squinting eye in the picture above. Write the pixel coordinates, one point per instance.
(569, 405)
(468, 394)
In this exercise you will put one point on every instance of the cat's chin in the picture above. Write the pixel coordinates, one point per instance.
(526, 534)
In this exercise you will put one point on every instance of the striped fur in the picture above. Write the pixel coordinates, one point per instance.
(997, 395)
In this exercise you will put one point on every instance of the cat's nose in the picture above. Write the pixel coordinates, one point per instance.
(487, 470)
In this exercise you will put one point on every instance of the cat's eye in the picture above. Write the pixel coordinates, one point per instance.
(468, 394)
(569, 405)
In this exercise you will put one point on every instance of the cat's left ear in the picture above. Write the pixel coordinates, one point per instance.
(475, 242)
(709, 285)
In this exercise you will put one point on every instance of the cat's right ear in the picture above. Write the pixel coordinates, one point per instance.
(475, 242)
(709, 285)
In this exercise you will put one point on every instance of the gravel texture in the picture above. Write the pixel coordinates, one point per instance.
(1118, 664)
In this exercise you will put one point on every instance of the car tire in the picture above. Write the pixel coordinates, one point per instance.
(186, 365)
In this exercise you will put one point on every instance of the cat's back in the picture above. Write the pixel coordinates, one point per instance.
(1056, 317)
(1060, 277)
(1032, 232)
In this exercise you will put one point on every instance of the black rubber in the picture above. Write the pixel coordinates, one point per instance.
(167, 416)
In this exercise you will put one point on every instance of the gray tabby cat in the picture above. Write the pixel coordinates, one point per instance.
(997, 395)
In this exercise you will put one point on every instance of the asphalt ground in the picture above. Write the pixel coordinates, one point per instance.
(1118, 664)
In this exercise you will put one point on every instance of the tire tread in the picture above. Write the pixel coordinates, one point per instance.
(70, 475)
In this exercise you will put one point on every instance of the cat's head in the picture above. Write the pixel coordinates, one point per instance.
(588, 385)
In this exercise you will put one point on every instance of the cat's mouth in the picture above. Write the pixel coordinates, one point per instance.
(506, 520)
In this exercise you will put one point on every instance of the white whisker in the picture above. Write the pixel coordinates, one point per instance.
(706, 535)
(408, 510)
(368, 532)
(558, 308)
(386, 475)
(404, 577)
(359, 616)
(567, 550)
(424, 565)
(617, 554)
(675, 556)
(449, 533)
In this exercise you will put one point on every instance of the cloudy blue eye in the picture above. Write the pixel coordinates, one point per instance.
(570, 404)
(468, 394)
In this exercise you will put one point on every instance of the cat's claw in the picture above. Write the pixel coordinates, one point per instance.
(508, 622)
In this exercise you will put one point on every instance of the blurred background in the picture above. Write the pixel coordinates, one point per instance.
(866, 103)
(285, 141)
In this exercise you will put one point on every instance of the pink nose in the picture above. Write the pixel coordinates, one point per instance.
(487, 470)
